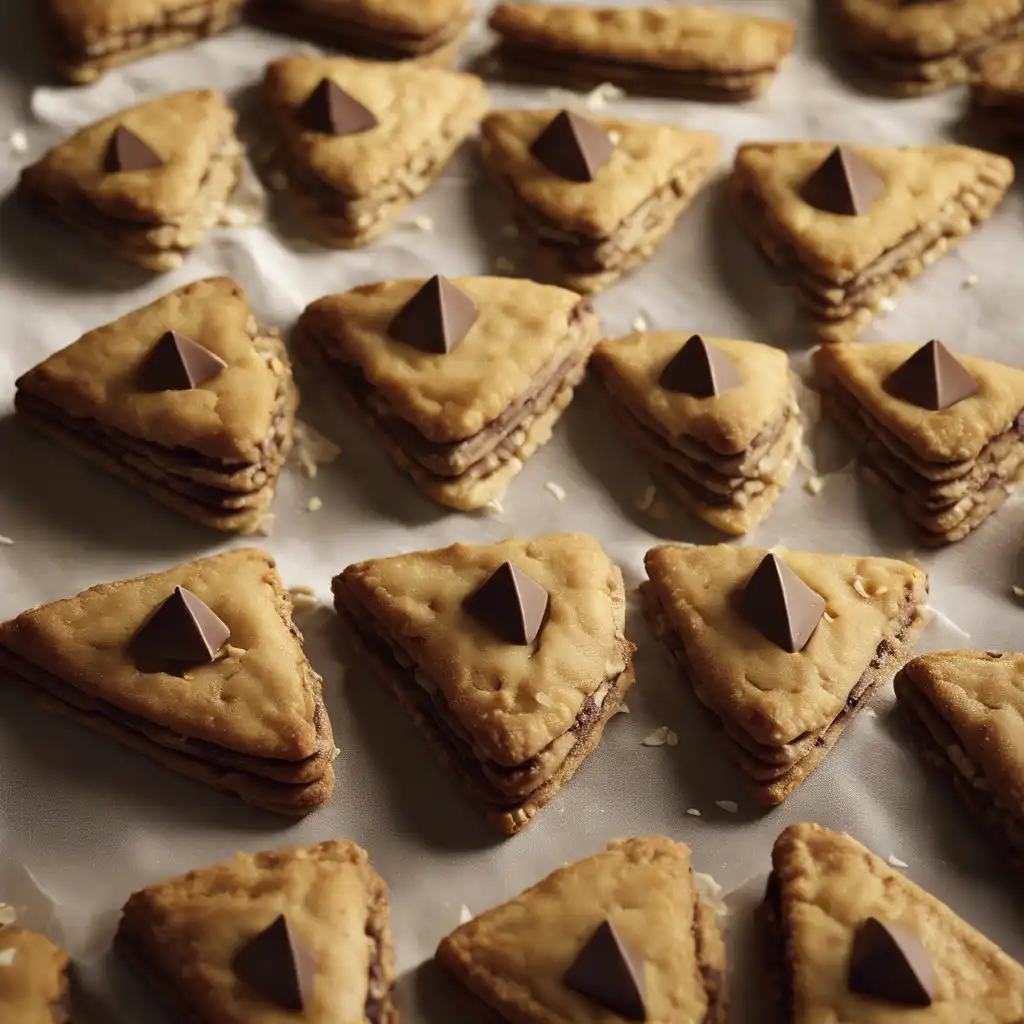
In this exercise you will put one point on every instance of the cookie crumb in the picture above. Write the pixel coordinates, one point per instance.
(622, 709)
(639, 322)
(711, 893)
(729, 806)
(661, 737)
(858, 585)
(885, 305)
(18, 141)
(543, 700)
(312, 449)
(238, 217)
(880, 591)
(969, 281)
(814, 485)
(504, 265)
(465, 914)
(7, 956)
(871, 712)
(301, 590)
(509, 231)
(314, 504)
(601, 95)
(827, 616)
(693, 812)
(614, 136)
(1018, 591)
(5, 540)
(8, 915)
(896, 862)
(421, 223)
(266, 525)
(558, 493)
(646, 500)
(494, 508)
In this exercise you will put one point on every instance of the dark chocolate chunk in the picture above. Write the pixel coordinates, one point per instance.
(279, 965)
(606, 972)
(183, 629)
(844, 183)
(178, 363)
(510, 604)
(436, 318)
(127, 152)
(329, 110)
(699, 369)
(932, 378)
(781, 605)
(573, 147)
(888, 962)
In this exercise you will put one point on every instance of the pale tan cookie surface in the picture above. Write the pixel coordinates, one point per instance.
(829, 885)
(681, 38)
(646, 158)
(187, 931)
(954, 434)
(515, 956)
(89, 22)
(1001, 69)
(773, 695)
(33, 978)
(491, 687)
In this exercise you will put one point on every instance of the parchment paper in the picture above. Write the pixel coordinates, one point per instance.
(83, 823)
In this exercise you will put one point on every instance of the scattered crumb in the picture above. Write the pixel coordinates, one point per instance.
(7, 956)
(728, 805)
(600, 96)
(806, 460)
(18, 141)
(314, 504)
(504, 265)
(266, 526)
(814, 485)
(509, 231)
(970, 281)
(8, 915)
(615, 137)
(885, 305)
(465, 914)
(421, 223)
(711, 893)
(1017, 591)
(5, 540)
(662, 736)
(238, 217)
(871, 712)
(622, 709)
(558, 493)
(303, 600)
(639, 322)
(543, 700)
(896, 862)
(301, 590)
(693, 812)
(494, 508)
(312, 449)
(858, 585)
(644, 502)
(336, 754)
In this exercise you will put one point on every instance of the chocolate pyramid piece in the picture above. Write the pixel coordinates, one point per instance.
(436, 318)
(330, 110)
(932, 378)
(607, 973)
(700, 369)
(781, 605)
(127, 152)
(573, 147)
(279, 965)
(510, 604)
(177, 363)
(844, 183)
(183, 629)
(888, 962)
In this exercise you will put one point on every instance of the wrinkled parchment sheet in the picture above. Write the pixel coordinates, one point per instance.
(83, 823)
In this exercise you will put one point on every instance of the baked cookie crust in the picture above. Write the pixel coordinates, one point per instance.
(997, 90)
(34, 986)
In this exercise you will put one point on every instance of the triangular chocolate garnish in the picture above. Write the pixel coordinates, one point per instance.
(183, 629)
(127, 152)
(573, 147)
(606, 972)
(436, 318)
(888, 962)
(700, 369)
(781, 605)
(932, 378)
(178, 363)
(510, 604)
(279, 965)
(844, 183)
(330, 110)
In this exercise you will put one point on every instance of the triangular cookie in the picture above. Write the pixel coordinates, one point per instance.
(782, 711)
(461, 423)
(586, 234)
(250, 721)
(843, 267)
(823, 889)
(690, 51)
(514, 719)
(153, 215)
(34, 986)
(213, 451)
(725, 456)
(952, 467)
(350, 187)
(191, 936)
(515, 957)
(969, 710)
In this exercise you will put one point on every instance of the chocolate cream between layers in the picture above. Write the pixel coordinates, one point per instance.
(839, 301)
(156, 245)
(776, 769)
(455, 472)
(229, 495)
(514, 792)
(943, 749)
(946, 500)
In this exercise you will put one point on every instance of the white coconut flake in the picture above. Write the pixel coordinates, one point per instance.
(5, 540)
(314, 504)
(730, 806)
(711, 893)
(7, 956)
(8, 915)
(494, 508)
(646, 500)
(814, 485)
(465, 914)
(557, 492)
(660, 738)
(828, 617)
(18, 141)
(858, 585)
(421, 223)
(970, 281)
(639, 322)
(896, 862)
(693, 812)
(886, 305)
